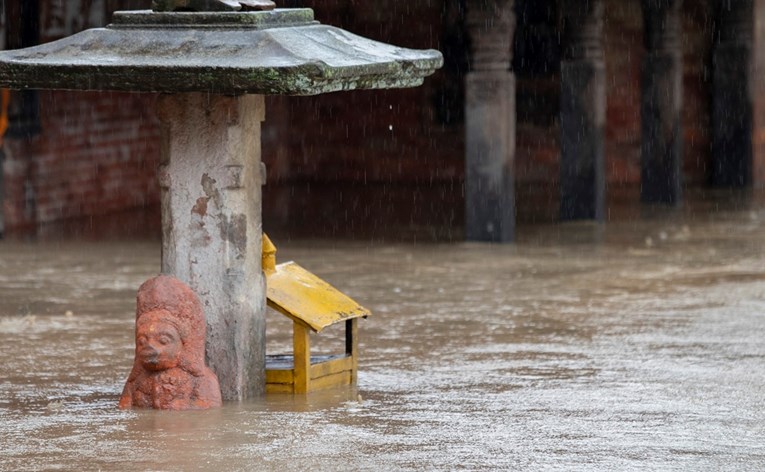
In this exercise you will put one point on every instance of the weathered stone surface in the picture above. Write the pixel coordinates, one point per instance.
(267, 52)
(169, 371)
(211, 181)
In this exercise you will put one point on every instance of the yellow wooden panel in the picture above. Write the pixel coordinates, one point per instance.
(331, 367)
(279, 377)
(307, 299)
(329, 381)
(279, 388)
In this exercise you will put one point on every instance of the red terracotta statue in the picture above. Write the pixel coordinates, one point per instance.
(169, 372)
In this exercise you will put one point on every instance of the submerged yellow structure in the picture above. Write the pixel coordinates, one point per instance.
(312, 305)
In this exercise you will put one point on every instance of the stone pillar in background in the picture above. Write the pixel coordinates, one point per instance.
(732, 94)
(758, 115)
(210, 174)
(583, 112)
(490, 123)
(661, 103)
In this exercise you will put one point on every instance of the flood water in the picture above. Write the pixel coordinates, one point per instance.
(634, 345)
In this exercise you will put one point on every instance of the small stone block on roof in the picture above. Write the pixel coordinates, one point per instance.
(212, 5)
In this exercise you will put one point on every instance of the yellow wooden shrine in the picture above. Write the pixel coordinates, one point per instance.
(313, 305)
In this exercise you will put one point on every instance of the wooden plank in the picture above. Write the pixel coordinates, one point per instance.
(280, 377)
(301, 341)
(323, 369)
(329, 381)
(278, 388)
(286, 361)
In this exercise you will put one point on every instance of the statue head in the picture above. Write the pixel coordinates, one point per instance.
(170, 326)
(169, 371)
(158, 341)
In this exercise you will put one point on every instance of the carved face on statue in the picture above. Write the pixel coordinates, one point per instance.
(169, 371)
(158, 343)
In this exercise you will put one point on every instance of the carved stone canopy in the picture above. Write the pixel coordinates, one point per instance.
(278, 52)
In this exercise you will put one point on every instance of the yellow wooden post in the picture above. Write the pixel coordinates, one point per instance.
(301, 340)
(269, 255)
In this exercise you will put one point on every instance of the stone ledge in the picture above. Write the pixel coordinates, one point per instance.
(260, 19)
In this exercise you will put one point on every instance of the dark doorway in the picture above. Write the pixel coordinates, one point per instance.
(22, 31)
(536, 61)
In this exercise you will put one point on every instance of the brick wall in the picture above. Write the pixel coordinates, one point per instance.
(95, 153)
(373, 136)
(342, 137)
(623, 42)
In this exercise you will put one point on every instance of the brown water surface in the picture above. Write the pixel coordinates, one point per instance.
(635, 345)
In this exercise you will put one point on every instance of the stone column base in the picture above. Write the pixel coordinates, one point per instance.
(490, 156)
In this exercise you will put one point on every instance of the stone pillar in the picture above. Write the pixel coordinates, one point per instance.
(732, 94)
(583, 112)
(758, 93)
(661, 103)
(490, 123)
(210, 174)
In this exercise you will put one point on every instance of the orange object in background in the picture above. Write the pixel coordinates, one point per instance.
(5, 100)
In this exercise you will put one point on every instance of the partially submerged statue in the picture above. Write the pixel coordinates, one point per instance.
(169, 372)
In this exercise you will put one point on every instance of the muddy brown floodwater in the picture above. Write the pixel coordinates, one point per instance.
(635, 345)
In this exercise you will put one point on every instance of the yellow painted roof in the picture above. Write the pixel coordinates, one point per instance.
(307, 299)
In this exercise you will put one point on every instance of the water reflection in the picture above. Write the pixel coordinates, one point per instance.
(631, 346)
